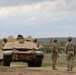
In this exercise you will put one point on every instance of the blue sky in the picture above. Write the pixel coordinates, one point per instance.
(38, 18)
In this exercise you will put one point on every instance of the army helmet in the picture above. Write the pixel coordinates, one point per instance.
(19, 37)
(55, 39)
(35, 40)
(69, 38)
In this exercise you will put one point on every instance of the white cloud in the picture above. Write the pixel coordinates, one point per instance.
(44, 9)
(43, 14)
(6, 11)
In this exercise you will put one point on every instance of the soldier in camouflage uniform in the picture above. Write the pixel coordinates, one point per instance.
(70, 48)
(55, 55)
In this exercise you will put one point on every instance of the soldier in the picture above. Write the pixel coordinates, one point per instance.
(20, 38)
(55, 54)
(36, 41)
(4, 41)
(70, 53)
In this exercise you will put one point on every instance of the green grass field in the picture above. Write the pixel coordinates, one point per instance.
(60, 62)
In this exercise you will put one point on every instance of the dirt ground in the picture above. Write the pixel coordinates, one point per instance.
(23, 70)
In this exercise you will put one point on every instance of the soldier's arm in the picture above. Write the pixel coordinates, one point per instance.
(66, 48)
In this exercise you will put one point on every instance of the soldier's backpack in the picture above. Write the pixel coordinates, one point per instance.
(70, 46)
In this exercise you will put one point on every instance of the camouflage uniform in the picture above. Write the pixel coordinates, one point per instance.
(55, 54)
(70, 53)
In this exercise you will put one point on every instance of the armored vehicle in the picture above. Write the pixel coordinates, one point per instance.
(1, 56)
(22, 49)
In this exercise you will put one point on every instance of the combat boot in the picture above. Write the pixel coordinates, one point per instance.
(68, 68)
(53, 68)
(71, 68)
